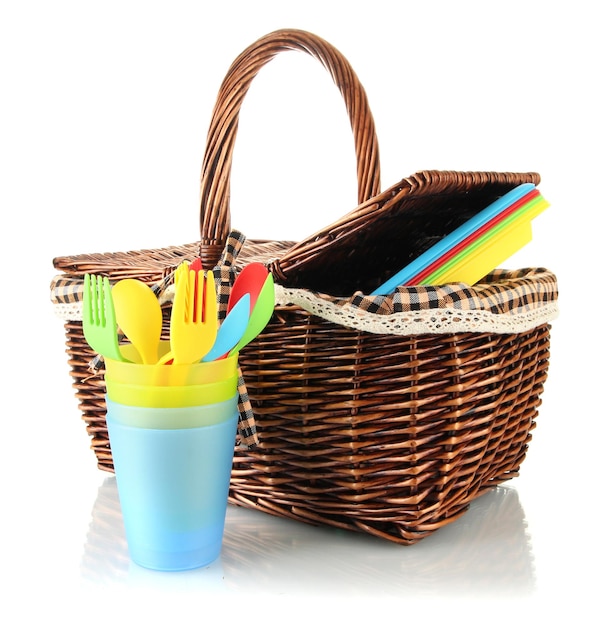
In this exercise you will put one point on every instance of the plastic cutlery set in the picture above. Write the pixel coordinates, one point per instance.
(195, 333)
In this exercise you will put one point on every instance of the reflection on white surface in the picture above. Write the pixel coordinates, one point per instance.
(486, 551)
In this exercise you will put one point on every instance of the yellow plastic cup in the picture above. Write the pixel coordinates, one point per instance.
(170, 396)
(177, 375)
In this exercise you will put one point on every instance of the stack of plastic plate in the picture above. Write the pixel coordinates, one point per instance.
(477, 247)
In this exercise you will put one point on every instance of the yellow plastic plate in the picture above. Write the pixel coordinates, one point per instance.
(484, 255)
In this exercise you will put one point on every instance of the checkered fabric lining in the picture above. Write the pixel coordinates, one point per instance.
(501, 291)
(225, 273)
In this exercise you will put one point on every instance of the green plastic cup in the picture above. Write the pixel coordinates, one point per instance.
(173, 417)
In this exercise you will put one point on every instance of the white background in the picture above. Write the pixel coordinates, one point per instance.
(104, 113)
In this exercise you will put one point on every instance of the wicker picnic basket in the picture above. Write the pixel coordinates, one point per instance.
(381, 415)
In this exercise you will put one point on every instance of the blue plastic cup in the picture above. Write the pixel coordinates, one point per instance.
(173, 489)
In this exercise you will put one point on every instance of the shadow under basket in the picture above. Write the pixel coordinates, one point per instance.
(388, 433)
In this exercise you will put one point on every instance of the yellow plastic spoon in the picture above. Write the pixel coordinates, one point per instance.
(139, 316)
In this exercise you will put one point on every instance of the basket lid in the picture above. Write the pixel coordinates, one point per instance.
(369, 244)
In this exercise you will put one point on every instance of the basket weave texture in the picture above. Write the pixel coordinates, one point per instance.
(392, 435)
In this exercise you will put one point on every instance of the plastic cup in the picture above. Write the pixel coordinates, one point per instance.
(171, 418)
(173, 490)
(150, 396)
(168, 375)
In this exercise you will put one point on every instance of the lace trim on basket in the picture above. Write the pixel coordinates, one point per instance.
(438, 321)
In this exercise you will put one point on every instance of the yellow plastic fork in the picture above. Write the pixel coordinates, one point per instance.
(193, 325)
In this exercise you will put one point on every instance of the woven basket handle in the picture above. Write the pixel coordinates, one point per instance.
(217, 162)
